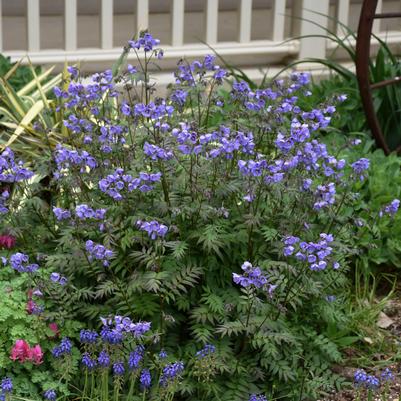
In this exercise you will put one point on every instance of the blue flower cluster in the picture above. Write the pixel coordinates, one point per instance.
(179, 97)
(362, 379)
(10, 170)
(190, 74)
(146, 42)
(110, 136)
(124, 325)
(171, 372)
(152, 110)
(6, 387)
(88, 362)
(226, 142)
(145, 379)
(156, 153)
(135, 357)
(153, 228)
(78, 125)
(114, 183)
(257, 397)
(79, 94)
(61, 214)
(118, 368)
(325, 195)
(59, 279)
(387, 375)
(112, 335)
(208, 349)
(88, 336)
(252, 276)
(66, 159)
(103, 359)
(316, 254)
(391, 209)
(360, 166)
(20, 263)
(98, 252)
(187, 139)
(50, 395)
(64, 348)
(84, 212)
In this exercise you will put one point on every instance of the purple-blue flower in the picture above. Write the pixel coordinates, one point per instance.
(50, 395)
(84, 212)
(118, 368)
(103, 359)
(135, 357)
(145, 379)
(88, 362)
(146, 42)
(20, 263)
(99, 252)
(153, 228)
(324, 196)
(171, 372)
(155, 152)
(57, 278)
(6, 385)
(10, 170)
(387, 375)
(257, 397)
(208, 349)
(360, 167)
(390, 209)
(88, 336)
(64, 348)
(61, 214)
(252, 276)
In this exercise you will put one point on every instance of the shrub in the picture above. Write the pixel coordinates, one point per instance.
(215, 215)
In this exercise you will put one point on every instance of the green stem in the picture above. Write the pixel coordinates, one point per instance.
(105, 386)
(85, 384)
(92, 385)
(131, 387)
(116, 389)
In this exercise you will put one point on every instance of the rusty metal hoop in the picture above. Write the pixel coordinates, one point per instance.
(362, 60)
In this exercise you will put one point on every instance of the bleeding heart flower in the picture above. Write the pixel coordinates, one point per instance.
(30, 307)
(54, 328)
(21, 351)
(7, 241)
(37, 354)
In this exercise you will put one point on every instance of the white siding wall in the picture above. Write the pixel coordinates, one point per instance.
(249, 33)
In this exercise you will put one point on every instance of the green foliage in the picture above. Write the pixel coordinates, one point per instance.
(278, 338)
(22, 75)
(29, 379)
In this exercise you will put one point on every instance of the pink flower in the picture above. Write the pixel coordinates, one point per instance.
(7, 241)
(30, 307)
(21, 351)
(37, 354)
(54, 328)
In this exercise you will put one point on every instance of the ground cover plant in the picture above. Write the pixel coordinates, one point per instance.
(191, 247)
